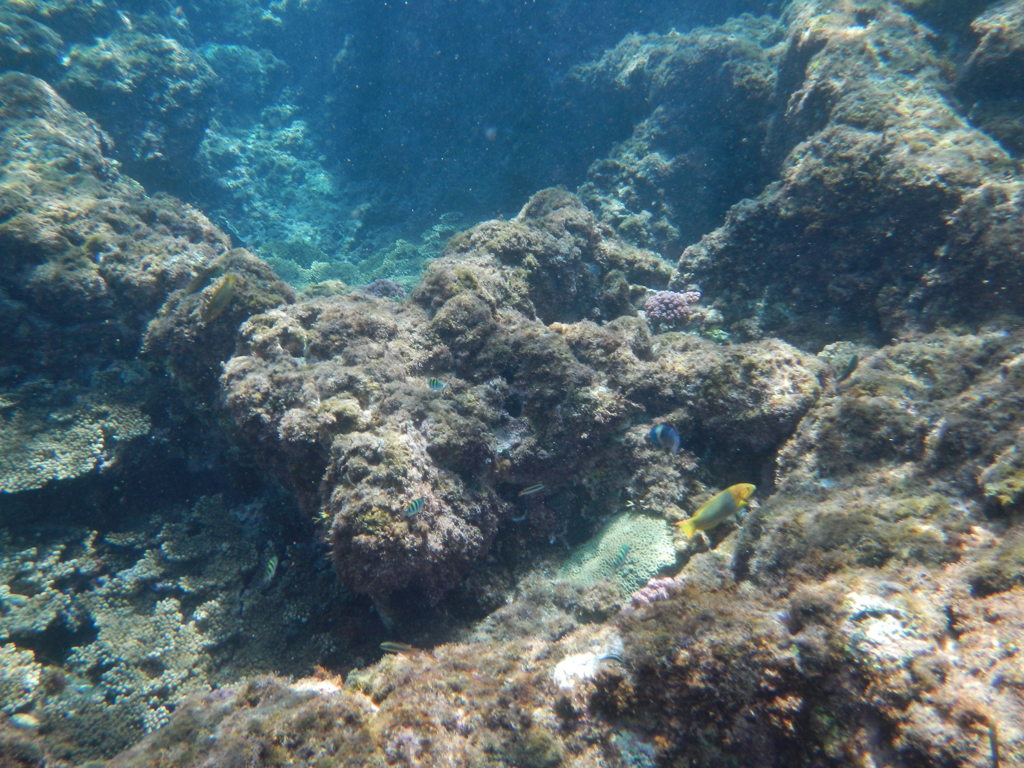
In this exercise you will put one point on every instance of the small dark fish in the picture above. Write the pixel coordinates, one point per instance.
(220, 298)
(848, 369)
(531, 489)
(620, 557)
(665, 436)
(393, 646)
(414, 506)
(436, 384)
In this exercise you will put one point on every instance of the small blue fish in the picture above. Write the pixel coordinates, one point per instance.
(414, 506)
(665, 436)
(532, 489)
(848, 369)
(435, 384)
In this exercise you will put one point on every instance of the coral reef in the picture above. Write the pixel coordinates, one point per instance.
(89, 261)
(824, 136)
(99, 619)
(51, 435)
(265, 184)
(104, 632)
(479, 443)
(869, 605)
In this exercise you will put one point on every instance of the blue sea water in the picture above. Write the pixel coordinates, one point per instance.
(384, 117)
(784, 197)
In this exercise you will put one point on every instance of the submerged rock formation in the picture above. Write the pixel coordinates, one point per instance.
(446, 448)
(87, 263)
(869, 606)
(877, 203)
(414, 482)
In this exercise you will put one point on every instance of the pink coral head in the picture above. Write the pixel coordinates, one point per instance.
(669, 307)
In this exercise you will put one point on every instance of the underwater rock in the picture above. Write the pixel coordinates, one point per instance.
(333, 395)
(103, 633)
(28, 45)
(197, 327)
(875, 161)
(73, 20)
(564, 255)
(703, 98)
(905, 457)
(151, 93)
(824, 136)
(456, 704)
(92, 270)
(902, 663)
(80, 240)
(87, 258)
(920, 402)
(991, 81)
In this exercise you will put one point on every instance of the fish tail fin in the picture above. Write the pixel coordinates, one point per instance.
(687, 527)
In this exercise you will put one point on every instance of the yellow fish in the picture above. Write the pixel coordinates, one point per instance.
(220, 298)
(718, 509)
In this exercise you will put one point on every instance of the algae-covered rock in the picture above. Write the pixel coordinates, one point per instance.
(1003, 479)
(28, 45)
(705, 96)
(104, 632)
(87, 260)
(150, 91)
(414, 483)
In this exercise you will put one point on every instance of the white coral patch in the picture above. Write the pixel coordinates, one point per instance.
(319, 687)
(581, 667)
(575, 669)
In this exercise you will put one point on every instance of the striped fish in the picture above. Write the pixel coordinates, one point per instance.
(269, 570)
(531, 489)
(394, 646)
(620, 557)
